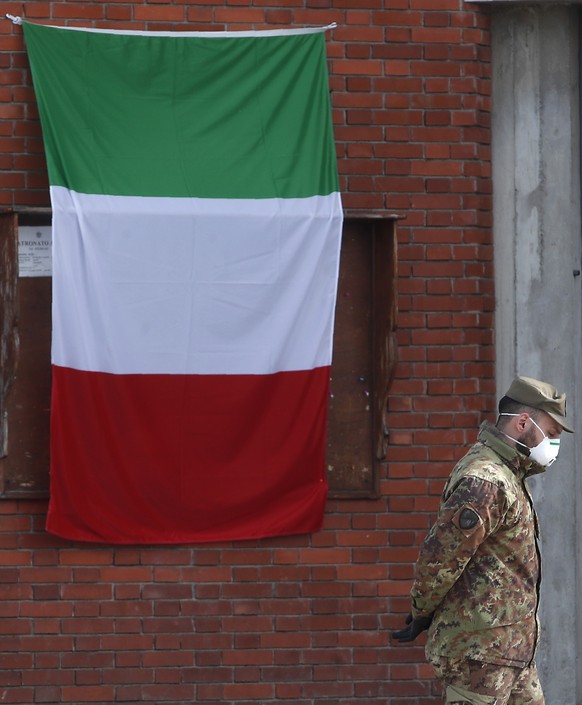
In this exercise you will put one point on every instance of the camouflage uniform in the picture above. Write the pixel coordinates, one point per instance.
(479, 567)
(476, 683)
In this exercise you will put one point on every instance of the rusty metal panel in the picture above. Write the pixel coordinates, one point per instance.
(364, 359)
(364, 356)
(24, 467)
(8, 316)
(385, 315)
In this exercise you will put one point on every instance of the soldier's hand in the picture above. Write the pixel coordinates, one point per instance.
(414, 628)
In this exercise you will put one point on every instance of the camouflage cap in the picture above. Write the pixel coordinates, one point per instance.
(540, 395)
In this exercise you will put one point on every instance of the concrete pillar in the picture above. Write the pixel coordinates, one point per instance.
(536, 187)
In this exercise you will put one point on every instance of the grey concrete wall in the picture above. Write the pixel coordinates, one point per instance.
(536, 187)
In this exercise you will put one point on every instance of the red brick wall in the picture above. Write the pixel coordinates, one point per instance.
(301, 620)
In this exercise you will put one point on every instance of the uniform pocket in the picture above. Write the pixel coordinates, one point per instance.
(459, 696)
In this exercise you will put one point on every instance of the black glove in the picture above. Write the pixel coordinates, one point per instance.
(414, 628)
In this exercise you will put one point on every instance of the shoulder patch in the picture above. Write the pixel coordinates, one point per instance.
(468, 519)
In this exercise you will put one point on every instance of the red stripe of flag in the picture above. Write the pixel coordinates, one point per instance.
(218, 457)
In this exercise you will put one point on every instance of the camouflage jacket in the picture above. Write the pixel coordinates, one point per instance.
(479, 567)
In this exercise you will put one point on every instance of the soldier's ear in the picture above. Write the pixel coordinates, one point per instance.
(521, 421)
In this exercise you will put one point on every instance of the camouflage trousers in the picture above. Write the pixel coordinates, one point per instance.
(475, 683)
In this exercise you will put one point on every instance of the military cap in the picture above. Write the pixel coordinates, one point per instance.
(540, 395)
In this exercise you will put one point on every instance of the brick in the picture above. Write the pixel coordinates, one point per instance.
(160, 13)
(356, 67)
(249, 691)
(168, 692)
(426, 35)
(118, 13)
(245, 16)
(358, 84)
(84, 12)
(369, 35)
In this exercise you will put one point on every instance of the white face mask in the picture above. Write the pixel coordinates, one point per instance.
(546, 451)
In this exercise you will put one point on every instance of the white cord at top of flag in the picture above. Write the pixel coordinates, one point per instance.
(264, 32)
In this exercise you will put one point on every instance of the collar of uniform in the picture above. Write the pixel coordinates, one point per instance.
(492, 437)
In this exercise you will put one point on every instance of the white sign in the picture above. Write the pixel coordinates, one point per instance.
(35, 251)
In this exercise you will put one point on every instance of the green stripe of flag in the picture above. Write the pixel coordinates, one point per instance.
(148, 115)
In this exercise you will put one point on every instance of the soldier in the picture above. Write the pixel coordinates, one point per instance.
(477, 580)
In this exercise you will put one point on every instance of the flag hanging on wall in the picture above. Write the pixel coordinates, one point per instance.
(196, 236)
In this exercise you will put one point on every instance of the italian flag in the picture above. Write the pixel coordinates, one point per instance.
(196, 236)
